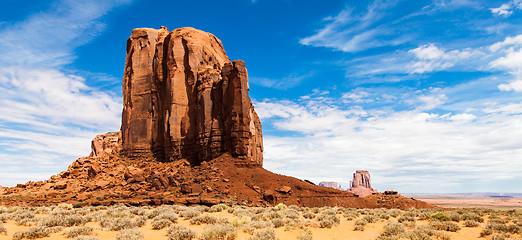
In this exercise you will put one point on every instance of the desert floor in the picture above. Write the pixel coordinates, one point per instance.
(470, 201)
(261, 223)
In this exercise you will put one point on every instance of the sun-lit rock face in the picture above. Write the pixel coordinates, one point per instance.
(184, 99)
(361, 184)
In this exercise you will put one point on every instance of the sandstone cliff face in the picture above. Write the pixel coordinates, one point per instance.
(361, 184)
(184, 99)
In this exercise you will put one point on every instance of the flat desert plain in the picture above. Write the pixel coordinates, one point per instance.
(470, 201)
(238, 222)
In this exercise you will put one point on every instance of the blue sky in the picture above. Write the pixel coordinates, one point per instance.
(426, 95)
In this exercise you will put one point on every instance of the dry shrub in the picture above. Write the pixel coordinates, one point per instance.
(32, 233)
(117, 224)
(180, 233)
(392, 230)
(85, 238)
(77, 231)
(264, 234)
(129, 234)
(189, 213)
(445, 226)
(203, 219)
(305, 236)
(218, 207)
(160, 223)
(278, 222)
(3, 229)
(471, 223)
(219, 232)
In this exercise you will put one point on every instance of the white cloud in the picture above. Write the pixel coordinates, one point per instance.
(431, 58)
(503, 10)
(511, 86)
(349, 32)
(287, 82)
(403, 150)
(48, 114)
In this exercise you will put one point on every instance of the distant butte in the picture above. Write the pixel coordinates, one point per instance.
(361, 184)
(189, 135)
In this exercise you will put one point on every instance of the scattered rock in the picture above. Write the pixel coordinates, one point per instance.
(284, 189)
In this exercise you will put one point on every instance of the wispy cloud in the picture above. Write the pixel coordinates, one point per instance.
(405, 150)
(506, 9)
(48, 114)
(284, 83)
(350, 32)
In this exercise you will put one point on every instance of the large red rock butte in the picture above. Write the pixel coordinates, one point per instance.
(189, 135)
(184, 99)
(361, 184)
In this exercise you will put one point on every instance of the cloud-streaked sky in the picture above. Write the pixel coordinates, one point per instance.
(426, 95)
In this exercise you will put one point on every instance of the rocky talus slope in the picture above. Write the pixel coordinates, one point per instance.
(189, 135)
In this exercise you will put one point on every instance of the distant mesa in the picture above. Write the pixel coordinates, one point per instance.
(189, 135)
(333, 185)
(361, 184)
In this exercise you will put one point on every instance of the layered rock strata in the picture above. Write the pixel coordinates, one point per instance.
(184, 99)
(334, 185)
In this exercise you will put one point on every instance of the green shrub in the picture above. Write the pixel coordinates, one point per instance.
(129, 234)
(440, 216)
(219, 232)
(180, 233)
(264, 234)
(77, 231)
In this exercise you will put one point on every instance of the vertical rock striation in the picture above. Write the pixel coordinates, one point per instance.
(184, 99)
(361, 184)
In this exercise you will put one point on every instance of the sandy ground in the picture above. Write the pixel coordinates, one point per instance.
(342, 231)
(470, 201)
